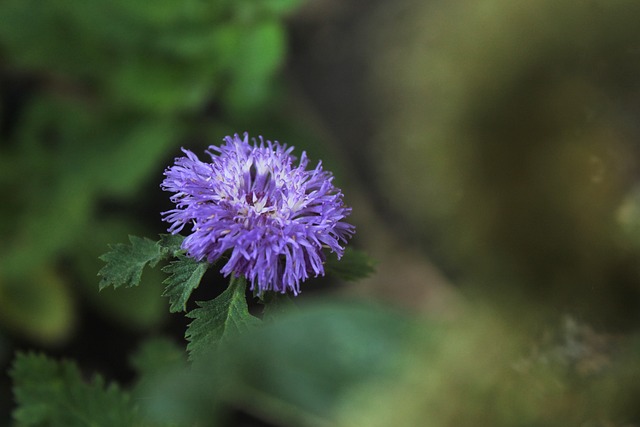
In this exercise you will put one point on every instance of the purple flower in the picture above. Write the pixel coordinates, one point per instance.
(270, 217)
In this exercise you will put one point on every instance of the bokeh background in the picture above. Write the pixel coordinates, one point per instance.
(489, 150)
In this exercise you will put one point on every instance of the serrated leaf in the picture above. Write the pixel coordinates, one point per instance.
(53, 394)
(185, 275)
(126, 262)
(139, 308)
(354, 265)
(218, 319)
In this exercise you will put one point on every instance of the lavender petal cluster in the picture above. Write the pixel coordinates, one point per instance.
(267, 215)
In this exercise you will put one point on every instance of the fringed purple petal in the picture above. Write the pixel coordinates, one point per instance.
(270, 217)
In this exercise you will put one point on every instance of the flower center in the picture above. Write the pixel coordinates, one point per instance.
(259, 203)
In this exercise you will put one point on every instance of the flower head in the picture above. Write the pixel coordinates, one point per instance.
(270, 217)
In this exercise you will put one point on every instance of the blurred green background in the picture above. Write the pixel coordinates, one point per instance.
(489, 150)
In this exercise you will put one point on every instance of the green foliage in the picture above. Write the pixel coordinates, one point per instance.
(155, 356)
(218, 319)
(257, 55)
(171, 243)
(310, 358)
(158, 59)
(154, 359)
(124, 263)
(354, 265)
(97, 94)
(276, 305)
(342, 364)
(139, 308)
(51, 393)
(40, 306)
(185, 275)
(293, 371)
(345, 364)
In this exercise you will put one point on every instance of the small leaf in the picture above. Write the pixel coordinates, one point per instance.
(171, 243)
(185, 275)
(139, 308)
(219, 319)
(354, 265)
(125, 262)
(53, 394)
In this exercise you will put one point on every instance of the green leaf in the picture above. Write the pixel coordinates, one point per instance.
(53, 394)
(297, 370)
(157, 360)
(258, 54)
(309, 359)
(354, 265)
(157, 355)
(185, 275)
(138, 308)
(39, 307)
(280, 6)
(218, 319)
(171, 243)
(125, 262)
(276, 305)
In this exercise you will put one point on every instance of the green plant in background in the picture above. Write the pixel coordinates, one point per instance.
(263, 220)
(95, 95)
(269, 221)
(502, 126)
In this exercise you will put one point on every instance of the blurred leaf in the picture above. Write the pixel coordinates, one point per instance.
(281, 6)
(354, 265)
(185, 275)
(139, 308)
(38, 306)
(127, 154)
(97, 94)
(276, 304)
(157, 355)
(124, 263)
(292, 371)
(53, 394)
(48, 225)
(259, 52)
(309, 358)
(53, 204)
(218, 319)
(155, 358)
(159, 85)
